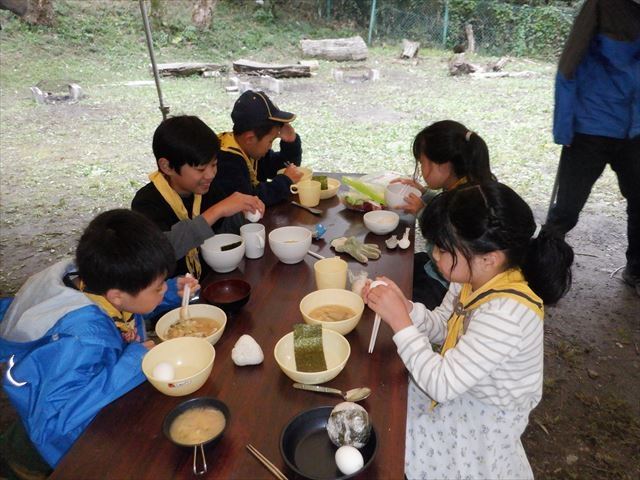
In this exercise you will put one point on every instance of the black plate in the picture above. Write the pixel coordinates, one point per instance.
(308, 451)
(196, 403)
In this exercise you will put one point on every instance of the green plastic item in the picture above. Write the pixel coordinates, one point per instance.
(375, 193)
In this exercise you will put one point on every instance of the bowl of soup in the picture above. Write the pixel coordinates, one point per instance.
(334, 308)
(307, 173)
(381, 222)
(290, 244)
(179, 366)
(203, 321)
(223, 252)
(336, 350)
(196, 423)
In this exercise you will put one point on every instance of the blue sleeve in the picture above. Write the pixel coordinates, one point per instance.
(69, 380)
(564, 110)
(170, 301)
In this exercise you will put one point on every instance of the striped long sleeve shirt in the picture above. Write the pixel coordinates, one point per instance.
(498, 360)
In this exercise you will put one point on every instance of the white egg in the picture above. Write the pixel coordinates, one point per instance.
(253, 216)
(164, 371)
(349, 459)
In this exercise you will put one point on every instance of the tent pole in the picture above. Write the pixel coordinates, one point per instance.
(147, 31)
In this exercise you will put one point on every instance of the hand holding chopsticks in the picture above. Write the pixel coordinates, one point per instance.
(376, 321)
(265, 461)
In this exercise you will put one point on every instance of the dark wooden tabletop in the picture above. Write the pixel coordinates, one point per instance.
(125, 440)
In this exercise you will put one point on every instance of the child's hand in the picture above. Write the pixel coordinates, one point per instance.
(240, 202)
(293, 173)
(413, 204)
(187, 279)
(149, 344)
(390, 304)
(287, 133)
(409, 181)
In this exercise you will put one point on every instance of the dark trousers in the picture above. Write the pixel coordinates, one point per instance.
(426, 290)
(581, 164)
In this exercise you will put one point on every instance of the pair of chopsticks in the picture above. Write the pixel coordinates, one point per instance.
(265, 461)
(376, 321)
(186, 297)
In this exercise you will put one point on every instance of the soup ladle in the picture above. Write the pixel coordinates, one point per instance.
(353, 395)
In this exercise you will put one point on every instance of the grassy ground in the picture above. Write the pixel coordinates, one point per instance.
(61, 164)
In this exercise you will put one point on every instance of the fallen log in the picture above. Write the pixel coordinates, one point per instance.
(339, 49)
(458, 65)
(271, 69)
(183, 69)
(409, 48)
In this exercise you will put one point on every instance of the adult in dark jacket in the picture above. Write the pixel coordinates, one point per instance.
(246, 162)
(597, 116)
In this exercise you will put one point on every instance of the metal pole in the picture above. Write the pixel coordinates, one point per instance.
(372, 20)
(147, 31)
(445, 22)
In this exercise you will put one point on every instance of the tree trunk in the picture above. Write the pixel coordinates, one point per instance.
(157, 12)
(271, 69)
(339, 49)
(35, 12)
(202, 13)
(471, 40)
(409, 48)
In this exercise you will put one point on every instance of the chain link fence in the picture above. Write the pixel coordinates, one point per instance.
(499, 28)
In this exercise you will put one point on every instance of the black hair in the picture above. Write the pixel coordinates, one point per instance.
(185, 139)
(261, 130)
(482, 218)
(449, 141)
(123, 249)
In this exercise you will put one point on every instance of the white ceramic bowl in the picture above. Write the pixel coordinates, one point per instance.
(333, 296)
(191, 358)
(336, 353)
(381, 222)
(290, 244)
(198, 310)
(333, 185)
(307, 173)
(395, 193)
(223, 261)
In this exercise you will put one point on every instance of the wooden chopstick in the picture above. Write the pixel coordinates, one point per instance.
(265, 461)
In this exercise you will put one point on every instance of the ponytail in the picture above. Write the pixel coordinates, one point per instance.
(547, 266)
(475, 160)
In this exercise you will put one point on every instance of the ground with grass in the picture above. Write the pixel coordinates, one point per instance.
(62, 164)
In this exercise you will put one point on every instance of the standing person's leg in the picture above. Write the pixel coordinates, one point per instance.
(626, 164)
(580, 166)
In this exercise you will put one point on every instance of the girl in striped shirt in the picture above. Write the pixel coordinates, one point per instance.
(469, 403)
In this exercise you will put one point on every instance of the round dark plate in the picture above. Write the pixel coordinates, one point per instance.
(230, 295)
(307, 450)
(196, 403)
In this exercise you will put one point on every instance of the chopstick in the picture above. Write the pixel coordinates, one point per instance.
(186, 296)
(316, 255)
(376, 321)
(265, 461)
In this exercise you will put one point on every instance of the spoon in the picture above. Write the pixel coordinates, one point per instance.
(392, 242)
(353, 395)
(315, 211)
(404, 241)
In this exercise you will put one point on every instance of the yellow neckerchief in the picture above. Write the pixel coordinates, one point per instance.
(125, 321)
(228, 143)
(460, 181)
(177, 205)
(509, 284)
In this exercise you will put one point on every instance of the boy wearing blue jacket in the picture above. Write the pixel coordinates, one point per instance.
(74, 335)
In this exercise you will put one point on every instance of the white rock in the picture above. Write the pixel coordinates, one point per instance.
(246, 351)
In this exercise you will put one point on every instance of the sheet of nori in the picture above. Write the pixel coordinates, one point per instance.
(324, 185)
(307, 348)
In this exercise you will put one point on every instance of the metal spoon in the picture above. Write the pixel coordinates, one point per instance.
(353, 395)
(315, 211)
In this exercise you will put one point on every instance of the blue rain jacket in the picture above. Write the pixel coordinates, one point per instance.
(597, 89)
(59, 382)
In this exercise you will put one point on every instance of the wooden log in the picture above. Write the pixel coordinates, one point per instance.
(409, 48)
(183, 69)
(271, 69)
(339, 49)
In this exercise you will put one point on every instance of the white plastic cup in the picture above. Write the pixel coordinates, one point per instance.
(308, 191)
(254, 239)
(331, 273)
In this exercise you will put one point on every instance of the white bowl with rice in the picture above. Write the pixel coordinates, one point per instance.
(205, 321)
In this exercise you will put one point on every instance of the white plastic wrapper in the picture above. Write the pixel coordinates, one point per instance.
(358, 281)
(246, 351)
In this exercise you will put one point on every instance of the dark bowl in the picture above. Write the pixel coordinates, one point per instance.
(230, 295)
(307, 450)
(200, 402)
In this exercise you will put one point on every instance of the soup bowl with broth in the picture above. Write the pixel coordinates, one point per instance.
(204, 321)
(179, 366)
(290, 244)
(333, 308)
(195, 423)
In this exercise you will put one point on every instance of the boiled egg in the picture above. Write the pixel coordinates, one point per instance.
(164, 371)
(349, 459)
(253, 217)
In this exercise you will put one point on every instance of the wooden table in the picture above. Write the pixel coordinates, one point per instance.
(125, 440)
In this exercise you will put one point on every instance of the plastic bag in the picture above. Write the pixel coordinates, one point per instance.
(358, 281)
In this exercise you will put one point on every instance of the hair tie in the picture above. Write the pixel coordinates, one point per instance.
(467, 136)
(537, 231)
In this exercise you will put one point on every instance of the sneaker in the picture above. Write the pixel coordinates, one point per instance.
(632, 280)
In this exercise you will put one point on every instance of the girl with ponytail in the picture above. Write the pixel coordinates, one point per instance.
(470, 401)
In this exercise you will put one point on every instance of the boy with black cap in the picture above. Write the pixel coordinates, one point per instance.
(246, 160)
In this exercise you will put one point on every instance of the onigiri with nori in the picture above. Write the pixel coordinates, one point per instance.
(349, 424)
